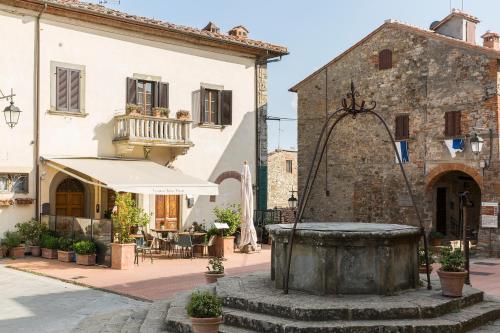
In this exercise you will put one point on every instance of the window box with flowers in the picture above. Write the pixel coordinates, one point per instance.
(161, 112)
(24, 201)
(6, 203)
(183, 115)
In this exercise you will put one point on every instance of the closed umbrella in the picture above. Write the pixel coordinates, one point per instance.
(248, 233)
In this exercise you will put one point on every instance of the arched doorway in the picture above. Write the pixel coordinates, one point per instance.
(446, 190)
(70, 198)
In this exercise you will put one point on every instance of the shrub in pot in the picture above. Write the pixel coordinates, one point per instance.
(49, 245)
(133, 109)
(12, 241)
(421, 261)
(436, 238)
(231, 215)
(161, 112)
(31, 231)
(215, 270)
(205, 310)
(183, 115)
(85, 252)
(452, 273)
(65, 252)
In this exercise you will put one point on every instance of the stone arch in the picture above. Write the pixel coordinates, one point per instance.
(88, 194)
(222, 177)
(441, 169)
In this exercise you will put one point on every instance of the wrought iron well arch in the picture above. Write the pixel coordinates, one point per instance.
(353, 109)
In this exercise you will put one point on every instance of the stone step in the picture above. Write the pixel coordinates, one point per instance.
(92, 324)
(134, 322)
(154, 321)
(491, 327)
(117, 321)
(461, 321)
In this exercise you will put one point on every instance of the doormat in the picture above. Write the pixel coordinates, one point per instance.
(485, 263)
(481, 273)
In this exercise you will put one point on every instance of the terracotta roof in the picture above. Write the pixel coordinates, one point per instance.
(412, 28)
(490, 34)
(456, 12)
(112, 13)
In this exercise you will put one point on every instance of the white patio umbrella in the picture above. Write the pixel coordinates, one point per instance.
(248, 233)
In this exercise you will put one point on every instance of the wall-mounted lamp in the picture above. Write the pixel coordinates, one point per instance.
(476, 143)
(11, 112)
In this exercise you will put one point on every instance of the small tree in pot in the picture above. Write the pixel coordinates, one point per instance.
(125, 216)
(85, 252)
(12, 241)
(31, 231)
(215, 270)
(205, 310)
(65, 252)
(452, 273)
(232, 216)
(49, 245)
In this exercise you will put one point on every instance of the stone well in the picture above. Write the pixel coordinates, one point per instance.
(347, 258)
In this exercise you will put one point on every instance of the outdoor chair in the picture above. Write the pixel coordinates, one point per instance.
(185, 245)
(205, 245)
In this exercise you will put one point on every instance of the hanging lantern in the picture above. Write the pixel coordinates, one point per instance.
(476, 143)
(11, 114)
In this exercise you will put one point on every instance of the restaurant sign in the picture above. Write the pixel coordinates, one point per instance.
(489, 214)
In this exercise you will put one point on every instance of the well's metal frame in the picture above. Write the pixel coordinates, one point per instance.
(353, 109)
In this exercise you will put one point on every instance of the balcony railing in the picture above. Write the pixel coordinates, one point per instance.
(152, 131)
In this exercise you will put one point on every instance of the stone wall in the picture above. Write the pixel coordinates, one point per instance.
(281, 182)
(261, 136)
(428, 78)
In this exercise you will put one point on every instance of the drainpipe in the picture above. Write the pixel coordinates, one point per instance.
(37, 110)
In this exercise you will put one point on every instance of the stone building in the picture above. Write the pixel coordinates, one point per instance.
(436, 88)
(282, 177)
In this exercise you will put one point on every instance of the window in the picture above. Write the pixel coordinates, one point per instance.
(385, 59)
(147, 94)
(211, 106)
(402, 127)
(14, 183)
(289, 164)
(216, 106)
(67, 90)
(452, 126)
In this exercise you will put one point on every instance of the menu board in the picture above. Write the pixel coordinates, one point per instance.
(489, 214)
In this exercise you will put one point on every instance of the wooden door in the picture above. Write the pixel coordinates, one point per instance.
(69, 204)
(441, 210)
(167, 212)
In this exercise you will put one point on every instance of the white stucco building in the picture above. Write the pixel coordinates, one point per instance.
(75, 67)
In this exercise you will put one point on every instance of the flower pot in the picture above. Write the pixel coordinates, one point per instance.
(452, 283)
(224, 246)
(36, 251)
(65, 256)
(85, 259)
(49, 253)
(17, 252)
(212, 277)
(422, 269)
(436, 241)
(206, 325)
(122, 255)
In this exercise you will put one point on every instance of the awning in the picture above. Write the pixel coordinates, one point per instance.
(134, 176)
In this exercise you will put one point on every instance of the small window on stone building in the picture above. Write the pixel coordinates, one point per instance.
(385, 59)
(452, 126)
(289, 166)
(402, 127)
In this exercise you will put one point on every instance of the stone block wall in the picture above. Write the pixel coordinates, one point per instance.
(280, 181)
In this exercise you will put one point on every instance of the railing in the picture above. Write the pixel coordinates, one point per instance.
(145, 130)
(77, 228)
(261, 218)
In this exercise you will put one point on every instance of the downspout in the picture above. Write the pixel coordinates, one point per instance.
(37, 110)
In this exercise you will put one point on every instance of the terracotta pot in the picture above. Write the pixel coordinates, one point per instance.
(223, 246)
(65, 256)
(85, 259)
(436, 241)
(212, 277)
(17, 252)
(206, 325)
(36, 251)
(422, 269)
(452, 283)
(49, 253)
(122, 255)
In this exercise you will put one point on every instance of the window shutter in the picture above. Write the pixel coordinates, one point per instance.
(402, 127)
(163, 95)
(452, 126)
(62, 89)
(74, 88)
(202, 104)
(131, 91)
(385, 59)
(456, 123)
(226, 107)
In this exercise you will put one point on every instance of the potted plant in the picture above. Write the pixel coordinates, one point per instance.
(224, 245)
(31, 231)
(205, 310)
(183, 115)
(452, 273)
(421, 261)
(133, 109)
(65, 252)
(436, 238)
(125, 216)
(49, 245)
(215, 270)
(12, 241)
(161, 112)
(85, 252)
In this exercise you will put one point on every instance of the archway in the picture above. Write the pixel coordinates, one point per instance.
(70, 198)
(444, 190)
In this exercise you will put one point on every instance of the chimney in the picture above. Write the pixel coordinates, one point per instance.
(212, 28)
(239, 32)
(491, 40)
(457, 25)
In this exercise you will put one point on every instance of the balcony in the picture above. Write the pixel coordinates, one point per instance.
(139, 130)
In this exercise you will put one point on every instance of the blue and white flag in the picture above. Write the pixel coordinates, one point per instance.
(454, 146)
(402, 147)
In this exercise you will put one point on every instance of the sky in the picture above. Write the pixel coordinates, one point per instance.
(314, 31)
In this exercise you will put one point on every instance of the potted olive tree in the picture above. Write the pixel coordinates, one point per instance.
(126, 216)
(49, 245)
(205, 310)
(436, 238)
(12, 241)
(422, 268)
(85, 252)
(65, 252)
(224, 242)
(452, 273)
(31, 231)
(215, 270)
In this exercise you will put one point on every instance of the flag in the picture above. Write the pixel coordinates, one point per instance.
(454, 146)
(402, 147)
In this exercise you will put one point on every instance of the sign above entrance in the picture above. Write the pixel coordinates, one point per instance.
(489, 214)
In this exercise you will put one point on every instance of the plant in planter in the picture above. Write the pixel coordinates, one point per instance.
(31, 231)
(183, 115)
(49, 245)
(12, 241)
(231, 215)
(65, 252)
(452, 273)
(125, 216)
(133, 109)
(436, 238)
(161, 112)
(215, 270)
(85, 252)
(421, 261)
(205, 310)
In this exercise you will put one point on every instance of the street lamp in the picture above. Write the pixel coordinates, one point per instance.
(11, 112)
(292, 201)
(476, 143)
